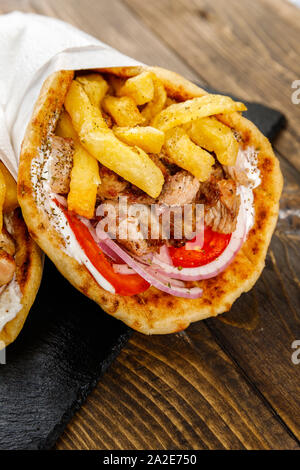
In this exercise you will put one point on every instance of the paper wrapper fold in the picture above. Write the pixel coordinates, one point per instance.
(31, 48)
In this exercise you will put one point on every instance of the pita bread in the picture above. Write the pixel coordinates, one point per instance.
(154, 312)
(29, 268)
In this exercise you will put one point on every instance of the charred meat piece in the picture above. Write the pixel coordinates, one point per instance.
(221, 203)
(209, 192)
(61, 164)
(220, 218)
(183, 225)
(164, 158)
(217, 172)
(179, 189)
(138, 230)
(112, 185)
(137, 196)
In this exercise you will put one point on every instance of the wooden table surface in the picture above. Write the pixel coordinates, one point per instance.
(228, 382)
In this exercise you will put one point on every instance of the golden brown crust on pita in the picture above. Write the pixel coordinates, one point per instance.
(155, 312)
(29, 267)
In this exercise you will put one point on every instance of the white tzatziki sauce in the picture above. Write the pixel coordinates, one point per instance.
(10, 302)
(246, 162)
(40, 171)
(10, 294)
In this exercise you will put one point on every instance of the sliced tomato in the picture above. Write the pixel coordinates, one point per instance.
(213, 246)
(124, 284)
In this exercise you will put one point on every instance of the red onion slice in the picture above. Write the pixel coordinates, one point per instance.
(215, 267)
(163, 256)
(147, 274)
(165, 278)
(123, 268)
(109, 253)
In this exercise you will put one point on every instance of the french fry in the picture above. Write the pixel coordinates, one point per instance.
(65, 128)
(84, 183)
(11, 199)
(84, 175)
(95, 87)
(182, 113)
(2, 198)
(188, 155)
(148, 139)
(214, 136)
(140, 88)
(81, 110)
(133, 164)
(123, 110)
(158, 102)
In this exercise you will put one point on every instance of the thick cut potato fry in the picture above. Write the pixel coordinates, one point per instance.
(81, 110)
(2, 198)
(188, 155)
(84, 175)
(148, 139)
(182, 113)
(140, 88)
(215, 136)
(132, 164)
(123, 110)
(65, 128)
(95, 87)
(84, 183)
(157, 104)
(11, 199)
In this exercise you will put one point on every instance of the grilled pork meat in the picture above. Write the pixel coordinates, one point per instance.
(112, 185)
(61, 164)
(179, 189)
(136, 196)
(138, 230)
(221, 203)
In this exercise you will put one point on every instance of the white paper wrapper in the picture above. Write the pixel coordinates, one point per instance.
(31, 48)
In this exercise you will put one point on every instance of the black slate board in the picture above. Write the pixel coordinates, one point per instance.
(268, 120)
(65, 346)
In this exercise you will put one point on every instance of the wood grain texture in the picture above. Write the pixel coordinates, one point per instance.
(174, 392)
(227, 383)
(248, 48)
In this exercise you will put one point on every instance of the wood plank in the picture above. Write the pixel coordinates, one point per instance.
(181, 391)
(171, 392)
(112, 23)
(250, 49)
